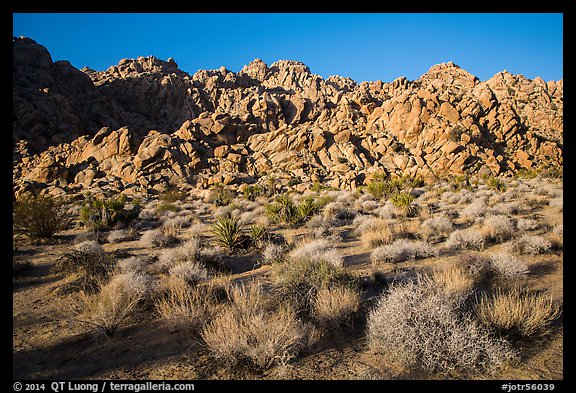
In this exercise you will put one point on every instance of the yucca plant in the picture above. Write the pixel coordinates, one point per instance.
(259, 234)
(282, 210)
(307, 208)
(404, 201)
(252, 192)
(105, 213)
(496, 184)
(229, 232)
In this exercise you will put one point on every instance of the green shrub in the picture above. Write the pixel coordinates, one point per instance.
(172, 196)
(222, 196)
(307, 208)
(39, 217)
(259, 234)
(229, 232)
(496, 184)
(106, 213)
(404, 201)
(165, 206)
(282, 210)
(252, 192)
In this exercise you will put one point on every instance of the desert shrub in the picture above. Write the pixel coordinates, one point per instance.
(418, 325)
(87, 259)
(306, 209)
(99, 213)
(401, 250)
(220, 195)
(302, 276)
(121, 235)
(335, 307)
(20, 268)
(282, 210)
(517, 312)
(246, 332)
(136, 264)
(527, 224)
(166, 207)
(468, 238)
(495, 183)
(173, 195)
(251, 192)
(404, 201)
(507, 265)
(229, 233)
(191, 272)
(436, 226)
(531, 244)
(318, 250)
(259, 234)
(474, 210)
(114, 303)
(338, 211)
(157, 238)
(186, 307)
(498, 228)
(273, 253)
(39, 216)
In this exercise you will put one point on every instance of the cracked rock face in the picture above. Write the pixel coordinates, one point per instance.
(145, 125)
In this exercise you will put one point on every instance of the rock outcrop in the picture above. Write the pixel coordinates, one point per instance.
(145, 125)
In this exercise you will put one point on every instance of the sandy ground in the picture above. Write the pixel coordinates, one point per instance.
(47, 346)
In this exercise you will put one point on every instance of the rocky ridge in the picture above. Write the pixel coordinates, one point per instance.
(144, 125)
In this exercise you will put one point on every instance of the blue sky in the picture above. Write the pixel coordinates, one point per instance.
(364, 47)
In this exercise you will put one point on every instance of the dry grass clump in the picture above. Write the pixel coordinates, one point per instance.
(185, 306)
(114, 303)
(466, 239)
(377, 232)
(335, 307)
(247, 332)
(455, 279)
(136, 264)
(418, 325)
(402, 250)
(498, 228)
(474, 211)
(518, 312)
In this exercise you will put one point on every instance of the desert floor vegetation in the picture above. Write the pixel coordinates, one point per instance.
(401, 278)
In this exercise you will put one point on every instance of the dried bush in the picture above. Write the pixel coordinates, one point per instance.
(437, 226)
(455, 279)
(531, 244)
(507, 265)
(418, 325)
(338, 211)
(517, 312)
(468, 238)
(527, 224)
(114, 303)
(39, 217)
(273, 253)
(498, 228)
(87, 259)
(402, 250)
(318, 250)
(246, 332)
(121, 235)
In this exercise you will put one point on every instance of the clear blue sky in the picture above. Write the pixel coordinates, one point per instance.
(364, 47)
